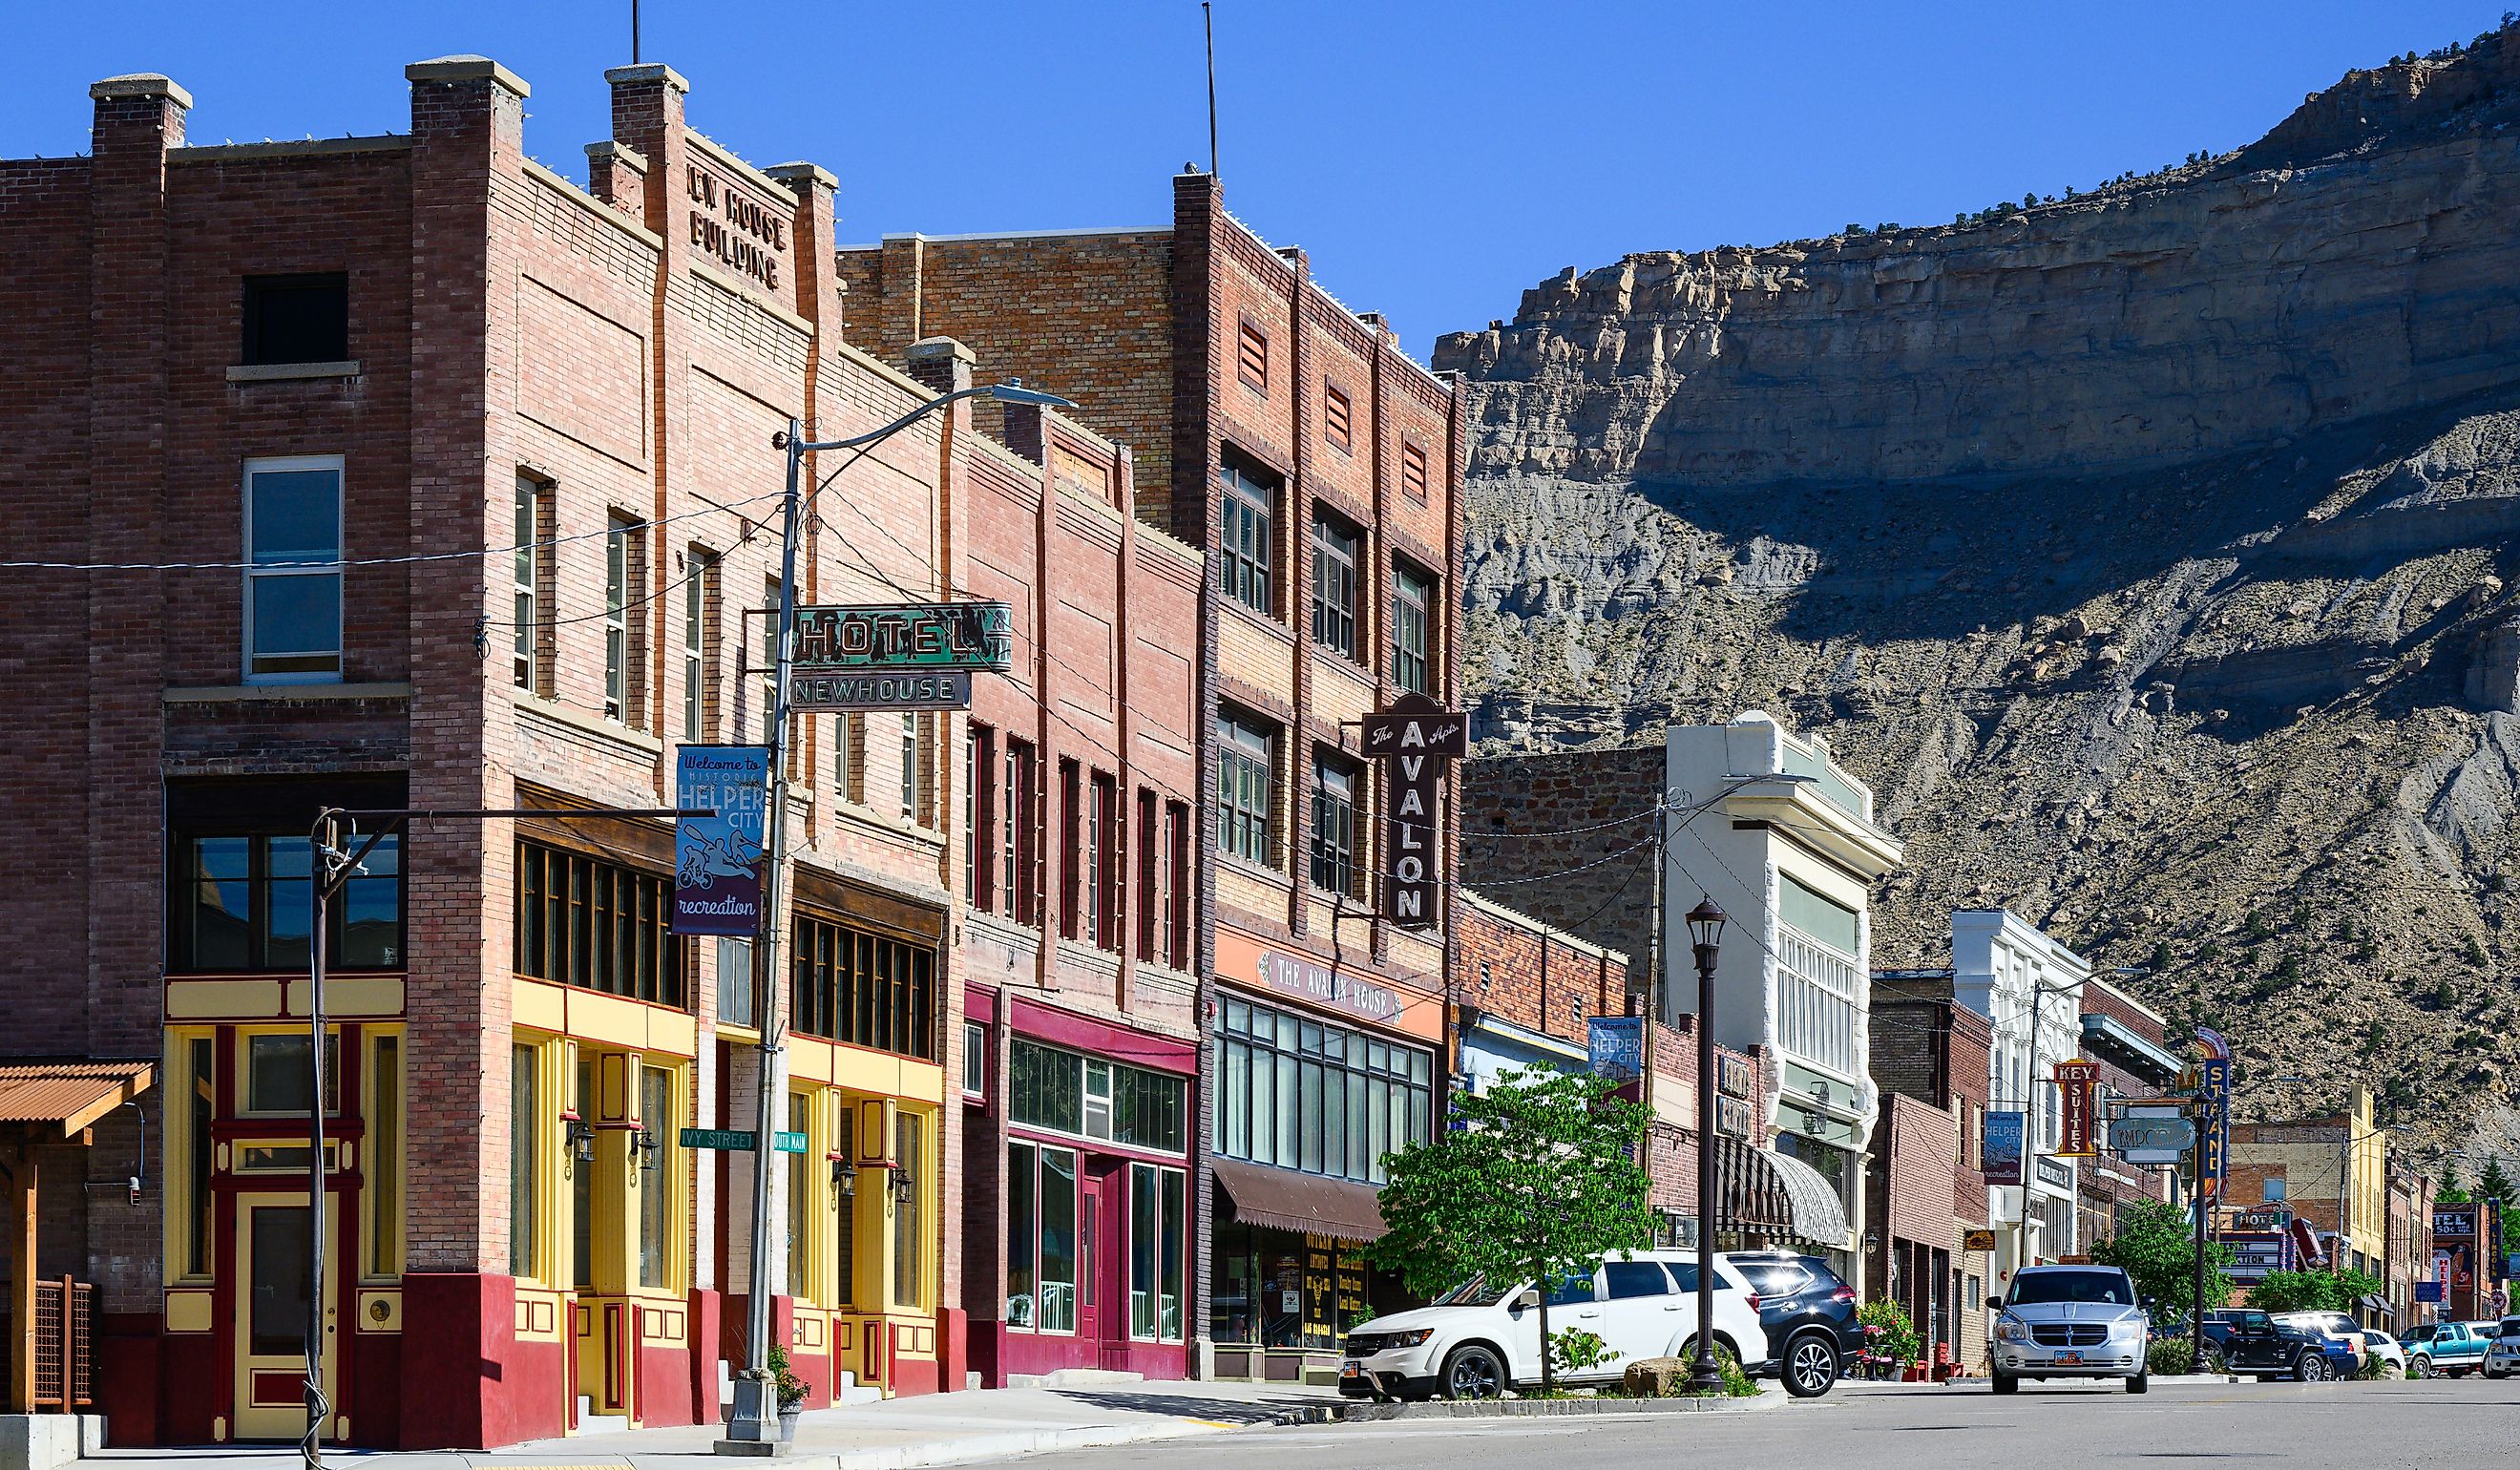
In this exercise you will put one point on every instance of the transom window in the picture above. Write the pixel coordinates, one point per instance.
(1245, 512)
(867, 990)
(581, 921)
(293, 587)
(1335, 554)
(1067, 1092)
(245, 902)
(1245, 790)
(1314, 1096)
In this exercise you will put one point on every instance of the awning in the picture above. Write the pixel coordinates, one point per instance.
(67, 1096)
(1818, 1214)
(2377, 1305)
(1283, 1200)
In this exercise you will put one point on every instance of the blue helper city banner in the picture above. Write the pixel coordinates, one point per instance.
(1617, 1045)
(717, 860)
(2000, 1146)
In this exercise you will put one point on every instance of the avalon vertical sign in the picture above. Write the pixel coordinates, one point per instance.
(717, 860)
(1414, 741)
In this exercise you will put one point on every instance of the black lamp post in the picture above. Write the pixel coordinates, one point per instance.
(1705, 935)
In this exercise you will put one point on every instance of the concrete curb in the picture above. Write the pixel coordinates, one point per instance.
(1523, 1408)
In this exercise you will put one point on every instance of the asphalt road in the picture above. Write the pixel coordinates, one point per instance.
(2435, 1424)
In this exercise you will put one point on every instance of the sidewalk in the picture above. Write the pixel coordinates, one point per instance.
(936, 1429)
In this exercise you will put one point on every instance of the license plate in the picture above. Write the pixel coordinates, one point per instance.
(1351, 1369)
(2069, 1358)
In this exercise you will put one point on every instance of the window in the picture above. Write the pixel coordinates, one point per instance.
(530, 556)
(699, 595)
(277, 1079)
(975, 1059)
(1334, 548)
(1072, 865)
(914, 769)
(1335, 784)
(770, 595)
(1057, 1194)
(1245, 514)
(1245, 790)
(1151, 872)
(979, 818)
(1412, 644)
(1022, 837)
(584, 922)
(524, 1155)
(296, 319)
(865, 989)
(581, 1183)
(1338, 419)
(800, 1202)
(734, 981)
(1102, 859)
(909, 1239)
(1155, 1230)
(202, 1105)
(849, 758)
(657, 1140)
(1413, 472)
(247, 902)
(1064, 1092)
(1314, 1096)
(620, 555)
(1024, 1232)
(1177, 919)
(1635, 1278)
(293, 587)
(382, 1158)
(1818, 982)
(2274, 1188)
(1251, 360)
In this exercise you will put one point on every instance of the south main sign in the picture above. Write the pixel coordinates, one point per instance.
(905, 637)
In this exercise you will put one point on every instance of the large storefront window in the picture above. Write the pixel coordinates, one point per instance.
(1277, 1290)
(1070, 1094)
(247, 902)
(584, 922)
(1317, 1097)
(865, 989)
(1041, 1237)
(1155, 1226)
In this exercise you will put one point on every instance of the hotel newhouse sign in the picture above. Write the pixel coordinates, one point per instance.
(917, 655)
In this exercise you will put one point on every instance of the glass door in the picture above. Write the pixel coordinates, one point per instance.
(273, 1255)
(1089, 1260)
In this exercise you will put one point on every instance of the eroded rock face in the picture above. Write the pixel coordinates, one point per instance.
(2146, 554)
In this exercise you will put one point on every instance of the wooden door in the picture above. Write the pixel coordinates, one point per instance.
(272, 1251)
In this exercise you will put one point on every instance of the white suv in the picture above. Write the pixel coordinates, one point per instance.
(1480, 1340)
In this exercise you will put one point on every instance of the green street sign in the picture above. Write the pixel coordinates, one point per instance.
(905, 637)
(740, 1139)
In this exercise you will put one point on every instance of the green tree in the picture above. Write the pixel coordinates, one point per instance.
(2313, 1290)
(2449, 1193)
(2156, 1245)
(2496, 1184)
(1539, 1181)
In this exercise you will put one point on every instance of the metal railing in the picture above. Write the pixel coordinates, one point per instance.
(64, 1319)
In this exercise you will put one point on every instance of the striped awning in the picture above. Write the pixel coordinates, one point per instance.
(67, 1096)
(1819, 1213)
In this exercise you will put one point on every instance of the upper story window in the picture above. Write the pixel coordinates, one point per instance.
(1251, 357)
(581, 921)
(864, 989)
(1335, 551)
(1338, 418)
(1245, 788)
(293, 589)
(296, 319)
(532, 565)
(622, 538)
(700, 597)
(1413, 623)
(245, 902)
(1335, 824)
(1413, 472)
(1020, 798)
(1247, 513)
(979, 813)
(915, 798)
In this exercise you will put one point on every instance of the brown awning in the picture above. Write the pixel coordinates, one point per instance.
(68, 1095)
(1284, 1200)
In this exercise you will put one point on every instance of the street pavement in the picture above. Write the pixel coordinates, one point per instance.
(2462, 1423)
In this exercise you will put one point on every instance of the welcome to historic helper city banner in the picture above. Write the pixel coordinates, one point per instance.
(717, 860)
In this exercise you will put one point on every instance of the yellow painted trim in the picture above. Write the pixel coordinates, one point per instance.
(223, 1000)
(353, 997)
(540, 1316)
(188, 1312)
(541, 1005)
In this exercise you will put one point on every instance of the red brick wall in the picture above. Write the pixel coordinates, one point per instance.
(1522, 971)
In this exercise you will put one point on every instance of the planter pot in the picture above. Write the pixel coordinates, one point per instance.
(788, 1414)
(1916, 1373)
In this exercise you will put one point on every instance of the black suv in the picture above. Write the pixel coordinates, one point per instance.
(1801, 1304)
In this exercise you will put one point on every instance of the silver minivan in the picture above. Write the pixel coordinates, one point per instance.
(2069, 1321)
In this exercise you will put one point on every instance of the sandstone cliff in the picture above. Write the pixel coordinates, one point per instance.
(2148, 551)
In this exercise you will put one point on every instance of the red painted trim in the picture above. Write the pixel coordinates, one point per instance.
(1116, 1043)
(979, 1002)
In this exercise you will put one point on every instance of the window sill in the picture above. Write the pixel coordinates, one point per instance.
(293, 372)
(225, 693)
(876, 817)
(530, 703)
(1250, 869)
(1265, 622)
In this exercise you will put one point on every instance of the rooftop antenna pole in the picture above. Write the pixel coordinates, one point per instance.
(634, 33)
(1208, 12)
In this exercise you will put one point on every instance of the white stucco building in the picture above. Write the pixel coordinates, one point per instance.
(2000, 967)
(1783, 839)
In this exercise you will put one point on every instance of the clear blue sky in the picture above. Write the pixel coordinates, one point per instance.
(1436, 157)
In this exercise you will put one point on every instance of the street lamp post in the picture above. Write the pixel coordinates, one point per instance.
(1706, 936)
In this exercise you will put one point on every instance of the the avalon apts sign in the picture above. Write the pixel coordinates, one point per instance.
(917, 655)
(717, 860)
(1415, 741)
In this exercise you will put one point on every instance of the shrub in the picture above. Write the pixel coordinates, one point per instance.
(1897, 1340)
(2170, 1356)
(1575, 1350)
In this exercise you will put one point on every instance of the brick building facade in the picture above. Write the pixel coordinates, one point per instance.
(1317, 468)
(332, 373)
(1559, 813)
(1930, 1059)
(1528, 994)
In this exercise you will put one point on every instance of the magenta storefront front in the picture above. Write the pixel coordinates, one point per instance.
(1077, 1191)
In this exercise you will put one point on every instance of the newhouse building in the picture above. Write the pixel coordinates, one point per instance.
(1316, 468)
(406, 473)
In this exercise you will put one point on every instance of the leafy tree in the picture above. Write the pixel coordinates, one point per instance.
(2313, 1290)
(2156, 1245)
(1539, 1181)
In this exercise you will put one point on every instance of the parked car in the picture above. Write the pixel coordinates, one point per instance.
(2450, 1349)
(1482, 1339)
(1807, 1313)
(2069, 1321)
(2381, 1345)
(2334, 1326)
(2255, 1345)
(2503, 1355)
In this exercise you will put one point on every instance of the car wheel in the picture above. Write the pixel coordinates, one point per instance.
(2140, 1383)
(1473, 1372)
(1810, 1366)
(2420, 1366)
(2005, 1383)
(2497, 1377)
(2312, 1368)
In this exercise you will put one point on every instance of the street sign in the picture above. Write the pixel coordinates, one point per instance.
(2151, 1136)
(717, 860)
(2002, 1148)
(905, 637)
(740, 1139)
(848, 693)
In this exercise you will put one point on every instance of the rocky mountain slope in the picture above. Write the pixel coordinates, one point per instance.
(2148, 551)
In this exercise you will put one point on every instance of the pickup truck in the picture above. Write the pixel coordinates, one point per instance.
(2450, 1349)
